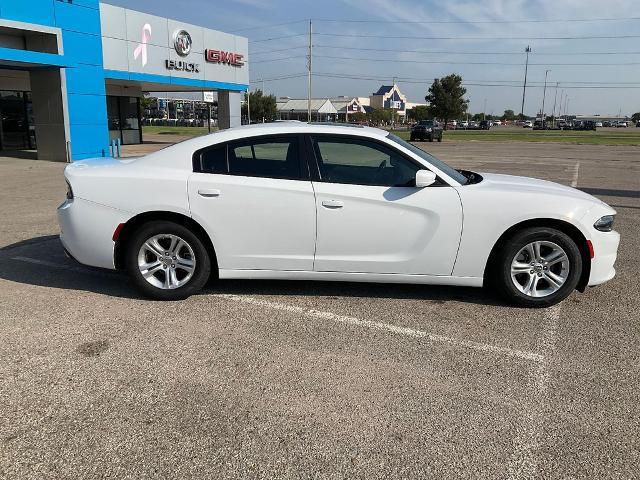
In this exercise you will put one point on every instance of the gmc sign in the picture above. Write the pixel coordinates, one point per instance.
(220, 56)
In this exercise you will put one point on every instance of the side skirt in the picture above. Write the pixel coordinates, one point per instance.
(351, 277)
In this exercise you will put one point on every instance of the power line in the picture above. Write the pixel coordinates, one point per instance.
(279, 50)
(282, 77)
(426, 22)
(272, 25)
(410, 37)
(451, 52)
(278, 38)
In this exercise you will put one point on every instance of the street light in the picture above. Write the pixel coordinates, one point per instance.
(526, 67)
(544, 94)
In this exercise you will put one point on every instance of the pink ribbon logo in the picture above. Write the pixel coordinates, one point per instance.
(141, 49)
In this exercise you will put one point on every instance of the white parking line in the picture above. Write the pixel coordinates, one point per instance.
(523, 462)
(576, 170)
(369, 324)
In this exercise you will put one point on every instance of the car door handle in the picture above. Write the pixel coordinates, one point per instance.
(332, 204)
(203, 192)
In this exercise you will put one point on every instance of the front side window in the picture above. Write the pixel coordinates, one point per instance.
(270, 157)
(362, 162)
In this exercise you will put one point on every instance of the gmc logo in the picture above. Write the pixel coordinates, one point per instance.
(219, 56)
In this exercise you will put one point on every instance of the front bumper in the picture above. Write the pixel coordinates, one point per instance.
(605, 248)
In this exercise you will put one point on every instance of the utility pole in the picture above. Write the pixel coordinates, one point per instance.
(309, 67)
(524, 88)
(248, 105)
(484, 109)
(393, 102)
(544, 94)
(553, 115)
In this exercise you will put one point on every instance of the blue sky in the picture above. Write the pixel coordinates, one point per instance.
(382, 57)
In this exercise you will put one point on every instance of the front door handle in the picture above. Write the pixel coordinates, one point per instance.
(213, 192)
(332, 204)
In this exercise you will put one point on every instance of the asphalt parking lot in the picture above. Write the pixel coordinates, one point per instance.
(317, 380)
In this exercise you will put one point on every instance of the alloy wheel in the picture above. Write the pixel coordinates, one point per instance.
(540, 269)
(166, 261)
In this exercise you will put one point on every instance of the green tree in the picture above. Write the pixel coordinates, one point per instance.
(636, 117)
(380, 115)
(357, 117)
(420, 112)
(446, 98)
(508, 115)
(263, 107)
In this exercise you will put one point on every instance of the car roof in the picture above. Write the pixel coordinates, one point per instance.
(186, 148)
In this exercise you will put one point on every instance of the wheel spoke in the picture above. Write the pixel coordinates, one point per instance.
(536, 250)
(149, 269)
(556, 281)
(154, 247)
(520, 267)
(531, 252)
(172, 244)
(531, 285)
(557, 257)
(184, 264)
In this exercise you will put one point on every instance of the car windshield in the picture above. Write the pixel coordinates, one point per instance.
(426, 123)
(439, 164)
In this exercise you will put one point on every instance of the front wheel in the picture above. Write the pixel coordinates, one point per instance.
(166, 261)
(538, 267)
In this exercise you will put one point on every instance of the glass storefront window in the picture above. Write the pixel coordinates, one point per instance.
(124, 119)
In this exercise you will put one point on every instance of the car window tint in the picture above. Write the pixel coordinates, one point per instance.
(362, 162)
(214, 160)
(275, 157)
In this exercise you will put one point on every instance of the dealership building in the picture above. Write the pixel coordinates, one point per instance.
(72, 73)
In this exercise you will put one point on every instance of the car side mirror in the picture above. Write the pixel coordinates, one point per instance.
(424, 178)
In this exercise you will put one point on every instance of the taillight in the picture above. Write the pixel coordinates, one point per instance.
(69, 191)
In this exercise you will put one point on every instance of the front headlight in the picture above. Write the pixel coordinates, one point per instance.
(604, 224)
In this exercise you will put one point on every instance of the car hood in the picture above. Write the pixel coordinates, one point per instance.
(534, 185)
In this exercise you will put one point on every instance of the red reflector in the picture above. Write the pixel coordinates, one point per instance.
(591, 252)
(117, 231)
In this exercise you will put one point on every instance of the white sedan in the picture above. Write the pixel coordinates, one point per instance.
(326, 202)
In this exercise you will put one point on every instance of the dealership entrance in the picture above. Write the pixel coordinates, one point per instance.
(17, 130)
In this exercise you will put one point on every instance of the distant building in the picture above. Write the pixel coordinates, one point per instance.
(389, 96)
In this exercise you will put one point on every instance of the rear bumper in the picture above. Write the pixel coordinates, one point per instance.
(605, 247)
(86, 230)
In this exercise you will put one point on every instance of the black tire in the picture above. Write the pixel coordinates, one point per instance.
(200, 273)
(412, 138)
(431, 138)
(501, 269)
(440, 138)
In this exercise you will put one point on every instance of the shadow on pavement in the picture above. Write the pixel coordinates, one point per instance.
(612, 193)
(41, 261)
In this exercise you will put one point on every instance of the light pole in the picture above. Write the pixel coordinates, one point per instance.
(524, 88)
(544, 94)
(484, 110)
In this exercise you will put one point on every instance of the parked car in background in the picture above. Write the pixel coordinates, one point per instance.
(452, 125)
(527, 124)
(607, 123)
(426, 130)
(303, 201)
(484, 125)
(638, 124)
(584, 125)
(463, 124)
(496, 122)
(621, 124)
(598, 124)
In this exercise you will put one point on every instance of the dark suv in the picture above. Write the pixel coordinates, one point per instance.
(426, 129)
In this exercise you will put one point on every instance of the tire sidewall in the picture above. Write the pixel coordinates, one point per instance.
(200, 275)
(515, 244)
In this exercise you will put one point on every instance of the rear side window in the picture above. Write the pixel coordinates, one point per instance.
(269, 157)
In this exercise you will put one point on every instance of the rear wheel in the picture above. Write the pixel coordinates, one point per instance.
(431, 138)
(538, 267)
(412, 138)
(166, 261)
(440, 138)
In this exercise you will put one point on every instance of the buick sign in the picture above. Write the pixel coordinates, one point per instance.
(182, 42)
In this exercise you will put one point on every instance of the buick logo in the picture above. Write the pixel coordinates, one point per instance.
(182, 42)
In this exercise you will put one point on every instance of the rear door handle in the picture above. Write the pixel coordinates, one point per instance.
(213, 192)
(332, 204)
